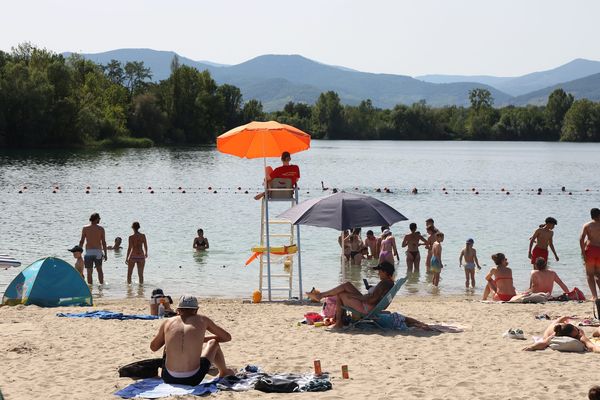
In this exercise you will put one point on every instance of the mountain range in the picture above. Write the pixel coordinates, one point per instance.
(278, 79)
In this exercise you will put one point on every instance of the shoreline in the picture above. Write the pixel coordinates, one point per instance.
(79, 358)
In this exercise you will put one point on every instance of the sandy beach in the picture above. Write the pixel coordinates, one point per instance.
(45, 356)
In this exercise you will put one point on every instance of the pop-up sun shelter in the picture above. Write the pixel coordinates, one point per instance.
(48, 282)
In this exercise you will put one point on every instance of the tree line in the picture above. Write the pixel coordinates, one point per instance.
(47, 100)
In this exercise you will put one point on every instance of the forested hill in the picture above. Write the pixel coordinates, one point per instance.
(277, 79)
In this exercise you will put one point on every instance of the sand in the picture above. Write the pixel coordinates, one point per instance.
(47, 357)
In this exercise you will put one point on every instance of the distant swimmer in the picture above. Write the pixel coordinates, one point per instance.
(200, 242)
(469, 254)
(589, 241)
(286, 171)
(412, 241)
(95, 243)
(137, 252)
(117, 244)
(542, 237)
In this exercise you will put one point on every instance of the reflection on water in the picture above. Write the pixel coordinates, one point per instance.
(39, 223)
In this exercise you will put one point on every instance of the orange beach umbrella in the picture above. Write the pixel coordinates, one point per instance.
(263, 139)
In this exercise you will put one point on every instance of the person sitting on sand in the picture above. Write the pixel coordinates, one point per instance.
(77, 252)
(189, 351)
(286, 170)
(561, 327)
(542, 279)
(500, 280)
(117, 244)
(200, 242)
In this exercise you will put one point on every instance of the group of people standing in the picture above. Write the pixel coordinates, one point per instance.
(96, 250)
(499, 281)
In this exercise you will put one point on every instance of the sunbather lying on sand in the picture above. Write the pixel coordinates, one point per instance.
(561, 327)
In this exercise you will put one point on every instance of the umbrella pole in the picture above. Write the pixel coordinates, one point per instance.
(266, 200)
(301, 294)
(343, 259)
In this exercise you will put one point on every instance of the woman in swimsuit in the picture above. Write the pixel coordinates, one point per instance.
(388, 247)
(502, 282)
(412, 242)
(200, 243)
(561, 327)
(137, 252)
(345, 238)
(356, 247)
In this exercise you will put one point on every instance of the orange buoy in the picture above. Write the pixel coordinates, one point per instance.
(256, 296)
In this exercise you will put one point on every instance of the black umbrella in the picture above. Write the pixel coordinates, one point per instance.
(342, 211)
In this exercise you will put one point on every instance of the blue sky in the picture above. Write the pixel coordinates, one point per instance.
(503, 38)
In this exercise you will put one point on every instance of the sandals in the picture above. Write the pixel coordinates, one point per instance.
(514, 334)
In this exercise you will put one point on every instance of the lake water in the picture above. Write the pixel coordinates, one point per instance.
(39, 223)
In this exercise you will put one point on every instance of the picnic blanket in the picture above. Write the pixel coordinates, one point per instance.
(104, 314)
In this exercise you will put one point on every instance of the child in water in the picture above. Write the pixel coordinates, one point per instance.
(436, 258)
(470, 256)
(371, 245)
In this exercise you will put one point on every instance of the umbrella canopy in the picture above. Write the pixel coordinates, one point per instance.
(342, 211)
(263, 139)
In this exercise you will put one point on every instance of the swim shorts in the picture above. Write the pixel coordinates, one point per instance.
(470, 266)
(539, 252)
(92, 257)
(436, 265)
(592, 255)
(194, 379)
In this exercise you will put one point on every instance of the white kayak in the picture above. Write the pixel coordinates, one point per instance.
(7, 261)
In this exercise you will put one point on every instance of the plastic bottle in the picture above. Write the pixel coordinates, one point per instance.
(161, 309)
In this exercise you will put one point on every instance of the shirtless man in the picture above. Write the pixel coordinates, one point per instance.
(412, 241)
(589, 241)
(542, 237)
(95, 243)
(543, 279)
(189, 351)
(371, 245)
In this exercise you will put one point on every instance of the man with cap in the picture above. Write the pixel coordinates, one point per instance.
(189, 351)
(77, 252)
(348, 295)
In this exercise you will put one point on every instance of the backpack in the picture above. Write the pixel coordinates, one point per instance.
(141, 369)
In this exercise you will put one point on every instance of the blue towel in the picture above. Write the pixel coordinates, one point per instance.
(103, 314)
(154, 388)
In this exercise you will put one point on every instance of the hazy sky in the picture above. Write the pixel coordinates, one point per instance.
(504, 37)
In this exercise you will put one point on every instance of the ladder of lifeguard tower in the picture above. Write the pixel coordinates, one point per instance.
(286, 235)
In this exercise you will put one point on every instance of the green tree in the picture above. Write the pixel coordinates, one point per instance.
(582, 122)
(558, 104)
(482, 115)
(252, 111)
(135, 76)
(231, 103)
(327, 117)
(114, 72)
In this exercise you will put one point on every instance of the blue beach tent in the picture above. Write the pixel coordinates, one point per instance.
(48, 282)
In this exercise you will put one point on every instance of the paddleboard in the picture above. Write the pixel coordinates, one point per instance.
(6, 261)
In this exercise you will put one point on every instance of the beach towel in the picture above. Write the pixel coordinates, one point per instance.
(103, 314)
(530, 298)
(154, 388)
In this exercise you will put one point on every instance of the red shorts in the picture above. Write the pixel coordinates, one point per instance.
(592, 255)
(539, 252)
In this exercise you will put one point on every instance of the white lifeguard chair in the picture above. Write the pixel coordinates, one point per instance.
(282, 241)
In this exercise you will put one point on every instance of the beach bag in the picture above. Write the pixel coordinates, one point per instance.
(141, 369)
(576, 294)
(270, 384)
(313, 317)
(329, 307)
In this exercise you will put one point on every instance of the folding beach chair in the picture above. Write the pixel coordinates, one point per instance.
(373, 316)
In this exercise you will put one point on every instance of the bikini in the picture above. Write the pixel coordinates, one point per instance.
(504, 296)
(200, 244)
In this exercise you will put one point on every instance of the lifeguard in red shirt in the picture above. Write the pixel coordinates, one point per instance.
(286, 170)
